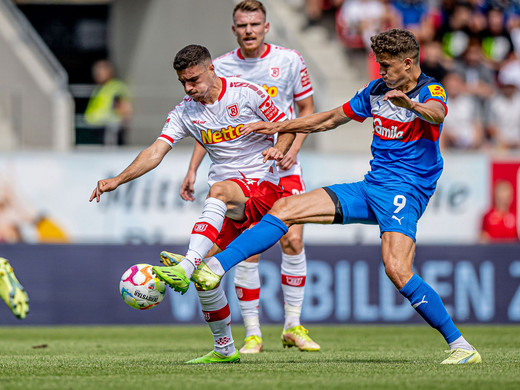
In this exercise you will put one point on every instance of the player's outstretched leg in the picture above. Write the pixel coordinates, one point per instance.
(429, 305)
(173, 274)
(255, 240)
(175, 277)
(216, 312)
(294, 272)
(247, 287)
(12, 292)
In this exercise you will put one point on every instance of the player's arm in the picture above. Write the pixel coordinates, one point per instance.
(147, 160)
(277, 152)
(432, 110)
(305, 107)
(321, 121)
(187, 186)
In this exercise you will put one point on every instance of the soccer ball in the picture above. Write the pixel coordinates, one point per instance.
(141, 289)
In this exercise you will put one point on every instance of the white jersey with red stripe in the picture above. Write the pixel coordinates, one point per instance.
(217, 127)
(283, 74)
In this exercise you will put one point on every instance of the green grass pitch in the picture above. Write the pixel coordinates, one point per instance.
(352, 357)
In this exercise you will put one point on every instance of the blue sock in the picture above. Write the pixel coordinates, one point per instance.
(255, 240)
(429, 305)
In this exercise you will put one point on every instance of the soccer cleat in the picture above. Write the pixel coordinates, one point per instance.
(12, 292)
(462, 356)
(297, 336)
(216, 358)
(205, 278)
(253, 345)
(170, 259)
(175, 277)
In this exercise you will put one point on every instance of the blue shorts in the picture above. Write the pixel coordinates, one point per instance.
(393, 209)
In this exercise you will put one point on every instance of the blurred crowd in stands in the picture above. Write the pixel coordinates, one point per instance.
(471, 46)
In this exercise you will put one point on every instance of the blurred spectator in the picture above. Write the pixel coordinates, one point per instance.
(314, 10)
(358, 20)
(462, 129)
(510, 71)
(499, 223)
(109, 108)
(478, 77)
(497, 45)
(21, 222)
(460, 25)
(418, 17)
(434, 62)
(504, 124)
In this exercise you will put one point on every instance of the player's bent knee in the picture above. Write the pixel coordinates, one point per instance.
(398, 273)
(219, 191)
(280, 210)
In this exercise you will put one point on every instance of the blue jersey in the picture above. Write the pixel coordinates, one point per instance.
(405, 146)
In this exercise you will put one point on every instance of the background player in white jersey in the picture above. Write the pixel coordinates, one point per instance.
(243, 182)
(283, 73)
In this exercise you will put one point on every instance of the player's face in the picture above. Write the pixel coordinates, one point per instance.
(197, 80)
(394, 71)
(250, 29)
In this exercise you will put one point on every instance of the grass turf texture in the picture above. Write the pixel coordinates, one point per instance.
(357, 357)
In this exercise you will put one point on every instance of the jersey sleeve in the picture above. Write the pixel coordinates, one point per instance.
(302, 86)
(434, 91)
(264, 106)
(174, 129)
(358, 108)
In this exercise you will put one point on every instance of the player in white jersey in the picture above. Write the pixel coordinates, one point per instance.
(283, 74)
(243, 179)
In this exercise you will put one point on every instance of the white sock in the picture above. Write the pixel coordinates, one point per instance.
(252, 326)
(216, 312)
(461, 343)
(205, 232)
(215, 266)
(294, 271)
(188, 266)
(247, 287)
(292, 316)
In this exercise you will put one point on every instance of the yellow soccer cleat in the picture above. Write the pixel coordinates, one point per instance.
(253, 344)
(175, 277)
(12, 292)
(205, 278)
(216, 358)
(170, 259)
(297, 336)
(462, 356)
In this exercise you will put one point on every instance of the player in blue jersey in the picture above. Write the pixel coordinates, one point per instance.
(408, 109)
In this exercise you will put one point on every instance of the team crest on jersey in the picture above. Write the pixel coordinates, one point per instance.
(437, 90)
(274, 72)
(233, 110)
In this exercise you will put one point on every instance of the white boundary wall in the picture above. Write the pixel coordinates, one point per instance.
(149, 210)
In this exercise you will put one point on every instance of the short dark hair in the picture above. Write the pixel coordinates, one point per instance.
(249, 6)
(191, 55)
(396, 42)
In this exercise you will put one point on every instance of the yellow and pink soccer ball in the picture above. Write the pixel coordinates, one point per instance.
(140, 288)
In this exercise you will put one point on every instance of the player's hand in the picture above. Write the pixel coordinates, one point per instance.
(259, 127)
(105, 185)
(399, 98)
(288, 160)
(187, 187)
(272, 154)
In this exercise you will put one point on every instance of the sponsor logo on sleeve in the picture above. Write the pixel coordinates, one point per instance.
(305, 79)
(269, 109)
(437, 90)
